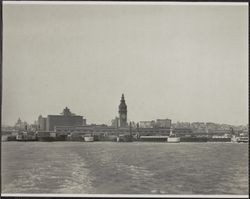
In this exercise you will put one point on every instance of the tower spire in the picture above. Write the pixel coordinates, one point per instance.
(123, 112)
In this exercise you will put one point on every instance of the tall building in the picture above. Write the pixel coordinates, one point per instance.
(65, 119)
(115, 122)
(41, 123)
(123, 112)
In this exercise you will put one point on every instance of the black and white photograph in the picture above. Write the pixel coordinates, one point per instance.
(124, 99)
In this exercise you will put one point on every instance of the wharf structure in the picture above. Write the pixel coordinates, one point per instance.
(69, 126)
(120, 127)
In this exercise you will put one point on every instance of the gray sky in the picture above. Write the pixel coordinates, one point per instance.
(186, 63)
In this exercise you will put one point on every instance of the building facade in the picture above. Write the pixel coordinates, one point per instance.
(123, 112)
(41, 122)
(69, 124)
(119, 127)
(65, 119)
(115, 122)
(101, 130)
(159, 123)
(163, 123)
(147, 124)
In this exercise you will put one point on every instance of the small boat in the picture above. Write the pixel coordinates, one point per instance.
(124, 138)
(173, 139)
(89, 139)
(243, 139)
(24, 137)
(240, 139)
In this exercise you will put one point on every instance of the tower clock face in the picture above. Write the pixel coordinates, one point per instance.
(123, 116)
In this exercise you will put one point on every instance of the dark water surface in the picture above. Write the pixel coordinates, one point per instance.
(124, 168)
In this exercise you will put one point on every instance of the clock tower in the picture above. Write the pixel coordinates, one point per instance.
(123, 112)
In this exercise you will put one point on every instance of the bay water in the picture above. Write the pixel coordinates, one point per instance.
(124, 168)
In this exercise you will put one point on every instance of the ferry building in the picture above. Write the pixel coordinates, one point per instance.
(69, 124)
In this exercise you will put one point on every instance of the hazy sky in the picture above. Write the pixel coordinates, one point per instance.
(186, 63)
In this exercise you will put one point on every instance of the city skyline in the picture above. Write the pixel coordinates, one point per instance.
(137, 121)
(85, 56)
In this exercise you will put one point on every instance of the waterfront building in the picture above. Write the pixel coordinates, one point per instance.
(70, 125)
(212, 126)
(163, 123)
(115, 122)
(89, 129)
(41, 123)
(109, 130)
(65, 119)
(147, 124)
(119, 127)
(219, 132)
(182, 125)
(123, 112)
(153, 131)
(183, 132)
(159, 123)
